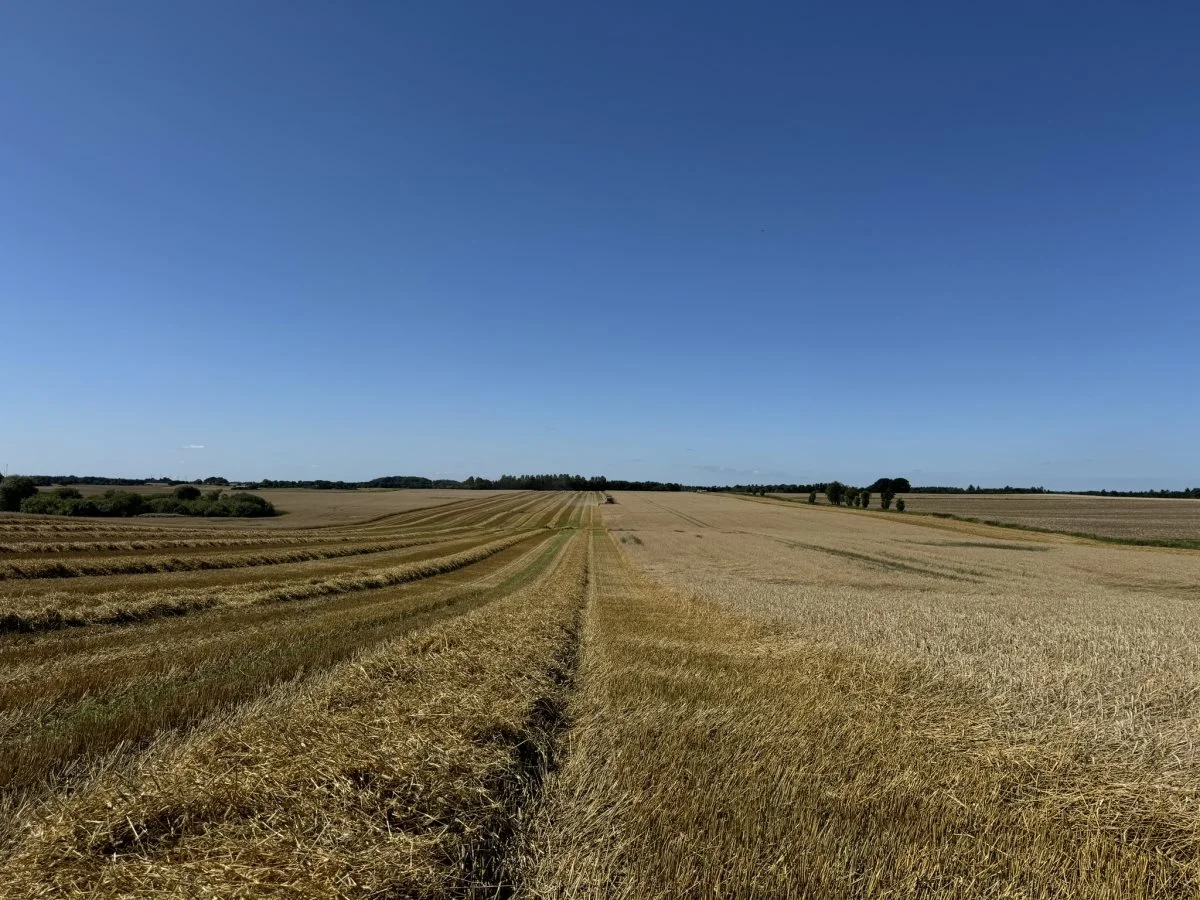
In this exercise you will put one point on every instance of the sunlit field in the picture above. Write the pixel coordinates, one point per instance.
(1132, 518)
(540, 694)
(308, 508)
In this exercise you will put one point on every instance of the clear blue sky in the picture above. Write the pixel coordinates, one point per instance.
(955, 241)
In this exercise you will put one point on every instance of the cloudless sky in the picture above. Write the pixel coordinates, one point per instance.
(708, 243)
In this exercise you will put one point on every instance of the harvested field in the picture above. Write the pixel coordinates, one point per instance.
(541, 695)
(1131, 518)
(305, 507)
(172, 634)
(806, 702)
(402, 773)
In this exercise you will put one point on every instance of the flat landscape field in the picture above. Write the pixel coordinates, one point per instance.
(541, 695)
(308, 508)
(1116, 517)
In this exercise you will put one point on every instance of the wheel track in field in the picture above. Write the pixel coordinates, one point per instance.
(689, 519)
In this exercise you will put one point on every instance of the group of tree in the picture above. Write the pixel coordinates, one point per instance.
(837, 494)
(21, 494)
(880, 485)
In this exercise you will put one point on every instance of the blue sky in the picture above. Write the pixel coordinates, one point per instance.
(707, 243)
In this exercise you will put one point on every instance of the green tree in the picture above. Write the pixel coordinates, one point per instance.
(43, 504)
(119, 503)
(187, 492)
(835, 493)
(13, 490)
(899, 506)
(865, 497)
(812, 496)
(885, 498)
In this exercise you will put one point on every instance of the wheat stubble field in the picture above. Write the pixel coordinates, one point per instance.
(535, 695)
(1121, 518)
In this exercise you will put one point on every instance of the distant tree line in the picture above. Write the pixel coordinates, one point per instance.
(21, 494)
(883, 486)
(768, 488)
(972, 489)
(1191, 493)
(49, 480)
(1185, 494)
(563, 482)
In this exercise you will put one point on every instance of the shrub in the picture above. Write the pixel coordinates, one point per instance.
(865, 498)
(119, 503)
(812, 496)
(885, 498)
(186, 492)
(42, 504)
(14, 490)
(127, 503)
(68, 493)
(899, 506)
(249, 505)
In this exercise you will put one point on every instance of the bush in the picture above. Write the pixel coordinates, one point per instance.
(14, 490)
(86, 507)
(247, 505)
(899, 506)
(42, 504)
(120, 503)
(68, 502)
(885, 498)
(812, 496)
(186, 492)
(865, 498)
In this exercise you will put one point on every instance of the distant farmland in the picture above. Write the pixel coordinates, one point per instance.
(1116, 517)
(543, 695)
(306, 508)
